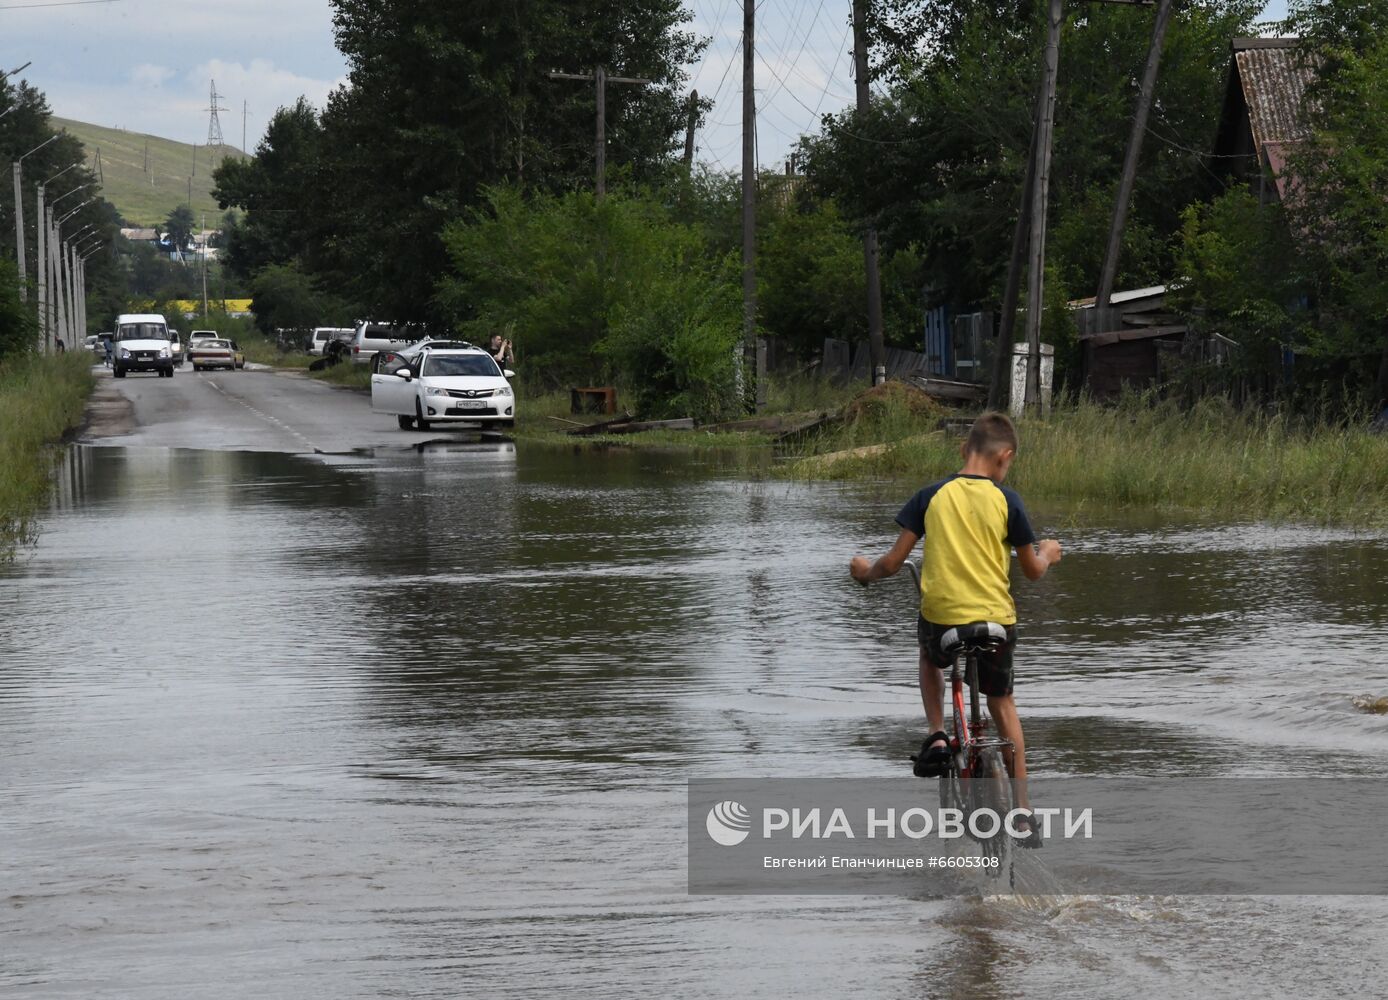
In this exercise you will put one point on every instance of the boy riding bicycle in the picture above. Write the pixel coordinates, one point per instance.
(968, 521)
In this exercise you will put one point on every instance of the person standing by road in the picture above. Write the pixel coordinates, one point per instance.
(500, 350)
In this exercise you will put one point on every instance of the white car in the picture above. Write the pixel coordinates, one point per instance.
(444, 386)
(142, 345)
(373, 338)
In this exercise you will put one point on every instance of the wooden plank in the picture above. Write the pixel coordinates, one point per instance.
(1105, 337)
(601, 425)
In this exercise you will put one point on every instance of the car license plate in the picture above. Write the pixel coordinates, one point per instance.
(472, 404)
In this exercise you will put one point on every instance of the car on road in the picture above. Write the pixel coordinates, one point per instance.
(93, 344)
(372, 338)
(203, 335)
(444, 386)
(176, 346)
(214, 353)
(142, 345)
(323, 335)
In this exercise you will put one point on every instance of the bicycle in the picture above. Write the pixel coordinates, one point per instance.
(976, 778)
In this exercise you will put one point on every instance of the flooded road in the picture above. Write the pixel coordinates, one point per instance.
(419, 723)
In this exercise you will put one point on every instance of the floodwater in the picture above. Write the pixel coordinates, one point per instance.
(419, 724)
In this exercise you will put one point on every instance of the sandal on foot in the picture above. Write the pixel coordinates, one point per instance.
(933, 760)
(1032, 840)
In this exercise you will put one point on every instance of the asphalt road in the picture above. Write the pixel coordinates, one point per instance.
(237, 411)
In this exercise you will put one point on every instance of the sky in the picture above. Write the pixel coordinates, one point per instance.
(146, 65)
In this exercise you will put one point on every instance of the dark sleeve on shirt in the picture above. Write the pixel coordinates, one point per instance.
(1018, 527)
(912, 516)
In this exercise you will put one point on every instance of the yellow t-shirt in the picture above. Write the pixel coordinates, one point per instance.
(968, 523)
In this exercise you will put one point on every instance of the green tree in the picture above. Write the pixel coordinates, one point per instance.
(284, 297)
(178, 227)
(613, 290)
(1338, 198)
(283, 194)
(938, 162)
(17, 327)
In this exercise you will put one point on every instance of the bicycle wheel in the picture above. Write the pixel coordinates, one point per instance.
(991, 789)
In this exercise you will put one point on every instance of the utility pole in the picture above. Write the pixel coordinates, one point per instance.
(18, 169)
(689, 131)
(1125, 183)
(41, 265)
(244, 111)
(204, 265)
(876, 349)
(1000, 389)
(751, 356)
(1039, 199)
(601, 79)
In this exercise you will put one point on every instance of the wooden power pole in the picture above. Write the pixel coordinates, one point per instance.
(1125, 183)
(689, 131)
(1000, 388)
(600, 78)
(751, 355)
(1040, 192)
(876, 349)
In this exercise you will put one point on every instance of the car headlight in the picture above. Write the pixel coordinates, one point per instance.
(125, 353)
(435, 391)
(164, 353)
(505, 391)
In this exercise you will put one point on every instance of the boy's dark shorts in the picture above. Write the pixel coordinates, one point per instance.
(994, 669)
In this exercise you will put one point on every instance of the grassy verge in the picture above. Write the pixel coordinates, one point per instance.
(546, 417)
(40, 399)
(346, 374)
(1210, 458)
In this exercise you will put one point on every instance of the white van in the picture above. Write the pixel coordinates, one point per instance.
(142, 345)
(371, 338)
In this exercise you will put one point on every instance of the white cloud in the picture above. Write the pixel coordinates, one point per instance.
(150, 75)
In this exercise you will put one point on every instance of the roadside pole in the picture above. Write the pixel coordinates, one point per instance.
(1039, 201)
(876, 348)
(1125, 183)
(689, 131)
(41, 266)
(752, 366)
(601, 80)
(19, 229)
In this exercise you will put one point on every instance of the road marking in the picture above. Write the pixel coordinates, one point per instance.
(263, 416)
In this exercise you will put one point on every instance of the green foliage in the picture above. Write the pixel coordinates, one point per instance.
(597, 291)
(939, 161)
(1239, 276)
(41, 397)
(1337, 204)
(178, 227)
(1211, 457)
(18, 327)
(284, 297)
(810, 280)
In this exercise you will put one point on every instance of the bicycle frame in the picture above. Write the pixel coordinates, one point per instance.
(970, 732)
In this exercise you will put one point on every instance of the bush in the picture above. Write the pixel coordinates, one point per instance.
(18, 329)
(612, 291)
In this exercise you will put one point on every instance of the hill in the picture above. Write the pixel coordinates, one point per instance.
(146, 198)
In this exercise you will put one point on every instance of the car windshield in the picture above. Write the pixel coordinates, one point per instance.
(142, 331)
(379, 333)
(459, 364)
(220, 345)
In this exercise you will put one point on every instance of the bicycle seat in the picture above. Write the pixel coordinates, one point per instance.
(974, 637)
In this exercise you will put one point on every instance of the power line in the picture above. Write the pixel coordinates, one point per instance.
(58, 3)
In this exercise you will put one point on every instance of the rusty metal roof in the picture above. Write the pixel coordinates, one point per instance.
(1273, 76)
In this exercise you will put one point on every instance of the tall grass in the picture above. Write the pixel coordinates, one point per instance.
(1211, 457)
(347, 374)
(40, 399)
